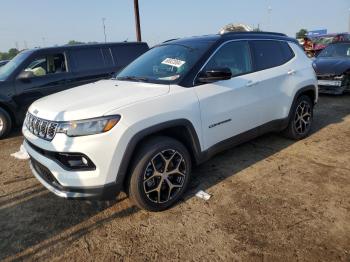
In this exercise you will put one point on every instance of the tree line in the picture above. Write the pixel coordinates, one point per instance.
(9, 55)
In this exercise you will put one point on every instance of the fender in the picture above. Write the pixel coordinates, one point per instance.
(297, 94)
(194, 145)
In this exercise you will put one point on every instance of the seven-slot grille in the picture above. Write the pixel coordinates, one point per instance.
(40, 127)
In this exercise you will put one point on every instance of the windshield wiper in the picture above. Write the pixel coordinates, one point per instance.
(134, 78)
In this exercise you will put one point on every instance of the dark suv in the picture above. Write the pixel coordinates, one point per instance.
(35, 73)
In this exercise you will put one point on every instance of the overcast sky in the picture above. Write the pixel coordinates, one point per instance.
(47, 22)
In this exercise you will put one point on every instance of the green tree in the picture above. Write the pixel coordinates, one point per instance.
(73, 42)
(302, 33)
(9, 55)
(3, 56)
(13, 52)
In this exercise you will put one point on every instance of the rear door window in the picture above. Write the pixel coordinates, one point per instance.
(270, 53)
(88, 59)
(107, 57)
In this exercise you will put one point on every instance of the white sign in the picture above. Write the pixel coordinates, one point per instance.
(173, 62)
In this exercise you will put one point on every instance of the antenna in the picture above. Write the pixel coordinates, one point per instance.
(104, 28)
(269, 11)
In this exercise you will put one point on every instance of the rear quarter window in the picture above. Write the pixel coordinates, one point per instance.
(270, 53)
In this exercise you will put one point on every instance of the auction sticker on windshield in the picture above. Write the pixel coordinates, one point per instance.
(173, 62)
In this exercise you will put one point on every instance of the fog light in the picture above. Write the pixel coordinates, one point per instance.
(76, 161)
(84, 160)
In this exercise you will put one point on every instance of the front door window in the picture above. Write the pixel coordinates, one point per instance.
(46, 65)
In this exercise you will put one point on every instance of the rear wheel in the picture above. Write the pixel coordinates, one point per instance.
(160, 174)
(300, 122)
(5, 123)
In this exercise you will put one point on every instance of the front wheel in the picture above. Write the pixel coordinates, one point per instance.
(301, 119)
(160, 174)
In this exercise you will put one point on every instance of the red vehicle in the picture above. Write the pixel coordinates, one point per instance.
(315, 44)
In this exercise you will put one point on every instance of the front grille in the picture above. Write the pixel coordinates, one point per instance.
(44, 173)
(40, 127)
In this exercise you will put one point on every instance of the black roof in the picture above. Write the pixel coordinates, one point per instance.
(233, 36)
(80, 46)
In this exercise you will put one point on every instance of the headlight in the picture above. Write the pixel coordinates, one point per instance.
(89, 126)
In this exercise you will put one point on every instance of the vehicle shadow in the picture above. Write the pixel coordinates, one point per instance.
(44, 220)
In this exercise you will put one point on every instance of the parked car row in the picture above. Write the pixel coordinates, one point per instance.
(314, 45)
(173, 107)
(332, 67)
(39, 72)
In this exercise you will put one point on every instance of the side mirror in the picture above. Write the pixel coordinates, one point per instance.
(25, 76)
(214, 75)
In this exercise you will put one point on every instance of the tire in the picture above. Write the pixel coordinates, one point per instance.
(301, 119)
(156, 184)
(5, 123)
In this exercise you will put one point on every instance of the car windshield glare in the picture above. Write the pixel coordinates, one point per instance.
(336, 50)
(6, 70)
(166, 63)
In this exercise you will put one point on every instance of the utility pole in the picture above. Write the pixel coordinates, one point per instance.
(137, 20)
(349, 21)
(104, 28)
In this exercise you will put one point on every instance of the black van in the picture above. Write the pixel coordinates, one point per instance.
(39, 72)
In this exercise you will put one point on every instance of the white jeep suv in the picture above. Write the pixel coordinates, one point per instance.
(173, 107)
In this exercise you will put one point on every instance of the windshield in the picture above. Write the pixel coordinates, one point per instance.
(336, 50)
(166, 63)
(6, 70)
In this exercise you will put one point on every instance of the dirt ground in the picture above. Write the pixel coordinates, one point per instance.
(272, 200)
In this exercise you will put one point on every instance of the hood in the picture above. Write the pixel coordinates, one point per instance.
(94, 100)
(331, 66)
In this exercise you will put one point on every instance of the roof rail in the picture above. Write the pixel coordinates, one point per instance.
(169, 40)
(255, 33)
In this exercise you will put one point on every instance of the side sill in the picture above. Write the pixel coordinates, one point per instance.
(273, 126)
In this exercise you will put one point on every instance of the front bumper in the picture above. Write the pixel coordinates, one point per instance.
(334, 90)
(328, 85)
(104, 150)
(46, 178)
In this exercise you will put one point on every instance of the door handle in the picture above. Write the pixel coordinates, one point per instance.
(252, 83)
(291, 72)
